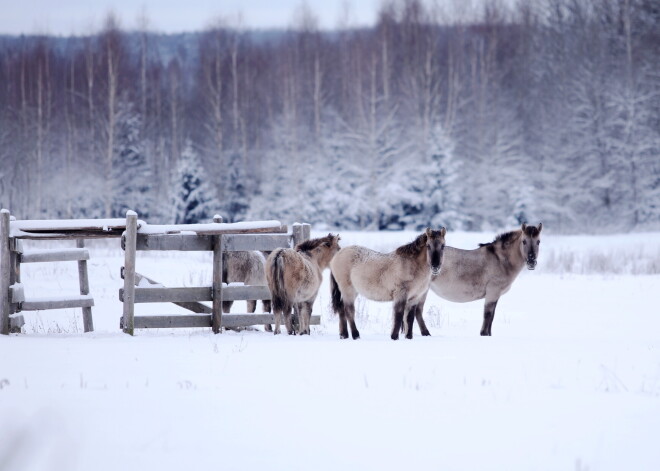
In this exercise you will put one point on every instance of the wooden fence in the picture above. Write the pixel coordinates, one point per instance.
(139, 236)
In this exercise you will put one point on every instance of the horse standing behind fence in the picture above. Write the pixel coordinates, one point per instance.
(245, 267)
(402, 276)
(294, 277)
(487, 272)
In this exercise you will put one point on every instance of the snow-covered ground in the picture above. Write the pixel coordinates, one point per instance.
(570, 379)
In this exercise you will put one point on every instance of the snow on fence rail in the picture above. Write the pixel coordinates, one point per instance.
(137, 235)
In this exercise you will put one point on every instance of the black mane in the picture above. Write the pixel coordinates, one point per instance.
(311, 244)
(413, 248)
(505, 239)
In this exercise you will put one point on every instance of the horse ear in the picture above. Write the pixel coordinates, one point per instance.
(540, 227)
(443, 231)
(524, 226)
(428, 232)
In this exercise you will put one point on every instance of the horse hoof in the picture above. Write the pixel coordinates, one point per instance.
(395, 337)
(343, 336)
(426, 334)
(356, 336)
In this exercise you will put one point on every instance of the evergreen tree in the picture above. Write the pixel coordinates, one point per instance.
(131, 174)
(193, 199)
(237, 200)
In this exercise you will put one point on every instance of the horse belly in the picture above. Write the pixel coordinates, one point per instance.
(457, 292)
(370, 290)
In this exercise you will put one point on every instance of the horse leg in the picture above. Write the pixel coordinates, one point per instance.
(226, 306)
(350, 314)
(251, 306)
(305, 317)
(409, 321)
(420, 320)
(265, 306)
(287, 320)
(278, 321)
(489, 315)
(399, 309)
(343, 325)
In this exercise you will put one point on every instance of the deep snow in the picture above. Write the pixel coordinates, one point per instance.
(570, 379)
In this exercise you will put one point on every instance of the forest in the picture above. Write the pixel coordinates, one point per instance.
(544, 111)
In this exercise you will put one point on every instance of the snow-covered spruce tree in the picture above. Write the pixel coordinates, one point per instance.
(131, 174)
(193, 198)
(237, 200)
(436, 184)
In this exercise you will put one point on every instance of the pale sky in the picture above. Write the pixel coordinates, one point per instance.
(65, 17)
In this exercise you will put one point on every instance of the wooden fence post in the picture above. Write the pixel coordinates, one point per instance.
(4, 271)
(83, 278)
(217, 284)
(306, 231)
(217, 219)
(130, 242)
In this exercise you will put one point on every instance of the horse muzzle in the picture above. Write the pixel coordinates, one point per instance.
(435, 271)
(531, 264)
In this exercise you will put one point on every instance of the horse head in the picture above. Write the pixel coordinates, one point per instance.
(435, 247)
(529, 244)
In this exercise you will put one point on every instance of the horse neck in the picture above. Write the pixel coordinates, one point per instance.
(318, 260)
(512, 255)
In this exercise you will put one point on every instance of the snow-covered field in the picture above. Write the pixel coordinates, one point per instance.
(570, 379)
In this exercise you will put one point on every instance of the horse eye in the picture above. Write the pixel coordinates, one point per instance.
(538, 242)
(524, 242)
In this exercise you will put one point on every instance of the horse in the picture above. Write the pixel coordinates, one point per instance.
(486, 272)
(402, 276)
(294, 277)
(247, 267)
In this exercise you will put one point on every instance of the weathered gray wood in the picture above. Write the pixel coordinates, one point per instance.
(242, 293)
(169, 295)
(263, 242)
(171, 322)
(202, 320)
(129, 273)
(16, 321)
(83, 279)
(297, 234)
(306, 231)
(204, 293)
(183, 242)
(61, 255)
(217, 284)
(41, 304)
(16, 294)
(5, 268)
(72, 235)
(189, 305)
(15, 245)
(217, 219)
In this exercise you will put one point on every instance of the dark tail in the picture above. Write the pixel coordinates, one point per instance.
(278, 293)
(337, 301)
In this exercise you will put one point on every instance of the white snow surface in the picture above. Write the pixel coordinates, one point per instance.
(570, 379)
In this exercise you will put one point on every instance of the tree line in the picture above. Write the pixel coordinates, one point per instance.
(546, 111)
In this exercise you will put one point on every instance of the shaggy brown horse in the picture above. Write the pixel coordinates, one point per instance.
(294, 277)
(402, 276)
(487, 272)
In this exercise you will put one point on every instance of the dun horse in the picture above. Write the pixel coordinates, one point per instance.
(402, 276)
(294, 277)
(248, 268)
(487, 272)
